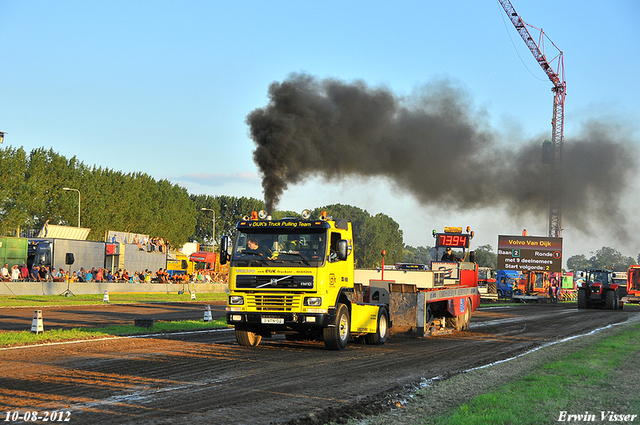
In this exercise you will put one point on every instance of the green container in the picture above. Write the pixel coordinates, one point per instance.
(13, 251)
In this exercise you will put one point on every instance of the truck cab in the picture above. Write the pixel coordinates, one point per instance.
(290, 276)
(507, 282)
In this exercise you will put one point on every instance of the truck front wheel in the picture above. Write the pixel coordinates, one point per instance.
(611, 302)
(336, 337)
(382, 331)
(582, 298)
(247, 338)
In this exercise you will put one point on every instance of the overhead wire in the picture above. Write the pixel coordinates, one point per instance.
(514, 45)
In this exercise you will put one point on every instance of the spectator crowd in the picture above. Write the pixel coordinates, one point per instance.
(43, 274)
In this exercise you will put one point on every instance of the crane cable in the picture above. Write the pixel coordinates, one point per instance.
(514, 45)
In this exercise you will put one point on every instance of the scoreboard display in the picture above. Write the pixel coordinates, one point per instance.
(454, 240)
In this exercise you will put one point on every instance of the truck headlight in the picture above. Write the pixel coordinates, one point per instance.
(236, 300)
(313, 301)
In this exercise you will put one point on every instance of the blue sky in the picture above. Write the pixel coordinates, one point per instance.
(164, 87)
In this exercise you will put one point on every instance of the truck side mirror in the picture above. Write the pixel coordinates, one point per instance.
(224, 249)
(343, 249)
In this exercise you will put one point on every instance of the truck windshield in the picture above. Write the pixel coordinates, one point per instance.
(599, 277)
(295, 248)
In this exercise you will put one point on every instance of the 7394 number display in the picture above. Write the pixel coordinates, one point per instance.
(454, 241)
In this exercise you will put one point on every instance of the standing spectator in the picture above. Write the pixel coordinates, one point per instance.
(24, 272)
(89, 277)
(15, 273)
(5, 272)
(99, 275)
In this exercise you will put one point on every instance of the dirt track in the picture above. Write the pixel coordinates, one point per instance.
(207, 378)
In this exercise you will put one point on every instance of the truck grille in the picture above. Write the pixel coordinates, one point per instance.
(287, 281)
(273, 302)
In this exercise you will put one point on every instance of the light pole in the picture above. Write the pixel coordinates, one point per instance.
(68, 188)
(213, 236)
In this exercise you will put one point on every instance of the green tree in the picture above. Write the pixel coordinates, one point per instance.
(419, 255)
(371, 235)
(13, 214)
(228, 210)
(609, 258)
(486, 257)
(578, 262)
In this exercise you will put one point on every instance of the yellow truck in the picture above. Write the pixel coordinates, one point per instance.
(296, 277)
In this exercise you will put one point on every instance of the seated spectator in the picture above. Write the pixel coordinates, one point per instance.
(136, 277)
(162, 276)
(4, 273)
(125, 276)
(47, 274)
(99, 275)
(35, 274)
(58, 276)
(89, 276)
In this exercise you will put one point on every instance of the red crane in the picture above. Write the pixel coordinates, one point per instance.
(557, 123)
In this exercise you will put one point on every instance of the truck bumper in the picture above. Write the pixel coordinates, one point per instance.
(631, 299)
(280, 321)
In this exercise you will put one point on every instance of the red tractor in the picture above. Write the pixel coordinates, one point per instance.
(599, 290)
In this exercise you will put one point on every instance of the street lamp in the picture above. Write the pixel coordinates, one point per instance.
(68, 188)
(214, 226)
(2, 133)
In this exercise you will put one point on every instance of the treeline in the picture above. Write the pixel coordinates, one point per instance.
(32, 192)
(605, 258)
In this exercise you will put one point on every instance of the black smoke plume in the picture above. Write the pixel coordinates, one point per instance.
(434, 144)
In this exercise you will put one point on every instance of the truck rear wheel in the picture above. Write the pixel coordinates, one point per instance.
(247, 338)
(461, 322)
(336, 337)
(582, 298)
(382, 331)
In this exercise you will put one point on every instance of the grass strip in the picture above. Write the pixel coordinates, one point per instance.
(114, 298)
(594, 382)
(11, 339)
(592, 374)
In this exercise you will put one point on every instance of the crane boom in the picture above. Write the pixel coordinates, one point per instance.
(557, 122)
